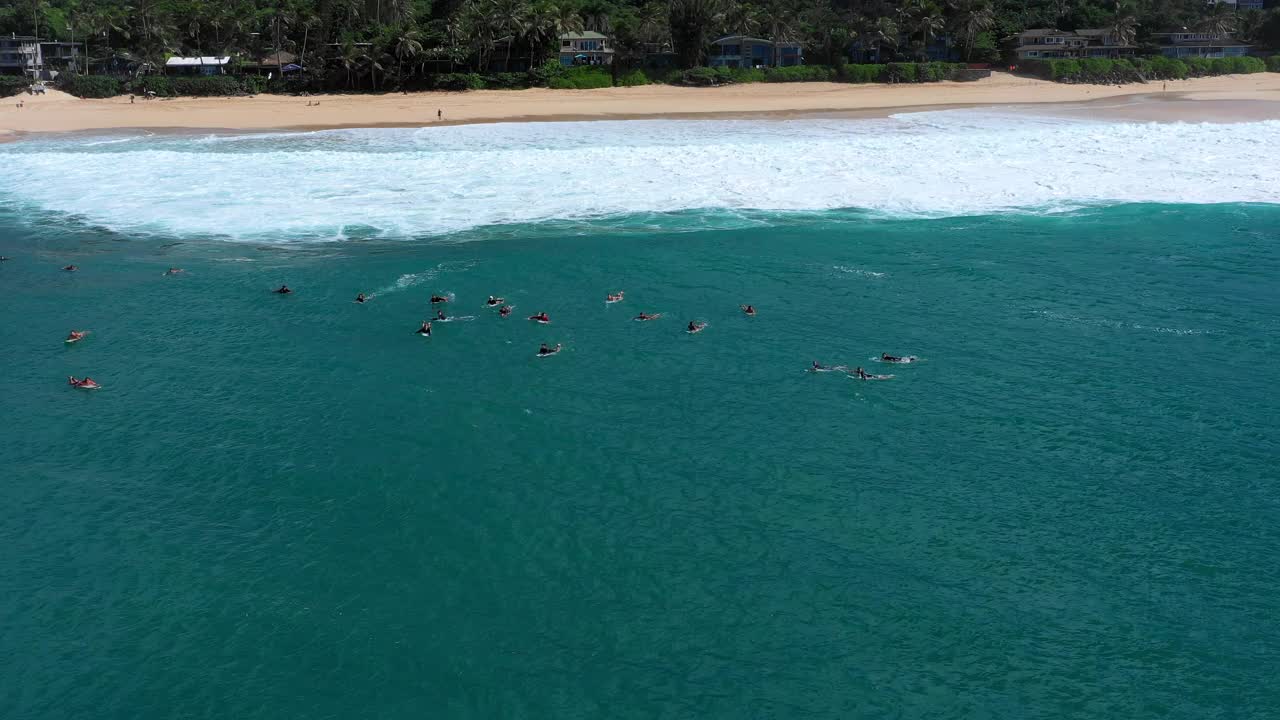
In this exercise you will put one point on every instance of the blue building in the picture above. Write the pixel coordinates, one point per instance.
(1186, 43)
(740, 51)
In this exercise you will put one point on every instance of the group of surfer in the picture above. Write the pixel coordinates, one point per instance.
(858, 372)
(505, 310)
(541, 317)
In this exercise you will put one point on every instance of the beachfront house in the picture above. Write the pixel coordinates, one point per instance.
(740, 51)
(197, 66)
(38, 59)
(1186, 43)
(19, 55)
(276, 63)
(1050, 43)
(585, 48)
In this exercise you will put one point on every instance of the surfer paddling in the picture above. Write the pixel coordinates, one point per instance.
(504, 311)
(360, 298)
(644, 317)
(748, 310)
(87, 383)
(616, 297)
(436, 299)
(440, 315)
(494, 301)
(173, 271)
(545, 351)
(696, 327)
(425, 330)
(283, 290)
(76, 335)
(540, 318)
(71, 268)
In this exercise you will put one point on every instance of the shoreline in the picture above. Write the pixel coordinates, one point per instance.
(1232, 98)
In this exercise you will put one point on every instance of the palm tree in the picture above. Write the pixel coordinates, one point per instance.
(1218, 20)
(1124, 27)
(883, 33)
(349, 59)
(1251, 22)
(778, 19)
(407, 46)
(970, 19)
(742, 19)
(692, 23)
(926, 20)
(510, 19)
(654, 25)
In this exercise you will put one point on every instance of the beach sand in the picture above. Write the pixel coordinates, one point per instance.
(1236, 97)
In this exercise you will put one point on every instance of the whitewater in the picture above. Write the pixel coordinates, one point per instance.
(432, 181)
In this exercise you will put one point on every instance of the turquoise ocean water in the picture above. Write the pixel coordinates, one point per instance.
(294, 507)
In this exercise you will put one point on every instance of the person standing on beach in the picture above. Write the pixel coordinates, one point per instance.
(439, 114)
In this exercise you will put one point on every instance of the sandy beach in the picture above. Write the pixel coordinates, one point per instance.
(1238, 97)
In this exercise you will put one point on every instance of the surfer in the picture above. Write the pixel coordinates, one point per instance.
(817, 366)
(613, 298)
(425, 330)
(440, 315)
(71, 268)
(647, 316)
(284, 290)
(493, 301)
(544, 350)
(5, 258)
(886, 357)
(696, 326)
(540, 317)
(76, 335)
(173, 271)
(862, 374)
(749, 310)
(504, 311)
(360, 297)
(438, 299)
(87, 383)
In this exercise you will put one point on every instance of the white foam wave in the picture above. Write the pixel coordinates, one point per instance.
(406, 182)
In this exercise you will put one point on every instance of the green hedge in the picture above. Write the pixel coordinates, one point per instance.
(12, 85)
(1100, 70)
(90, 86)
(800, 73)
(164, 86)
(863, 73)
(584, 77)
(632, 79)
(507, 81)
(1273, 63)
(1162, 68)
(457, 81)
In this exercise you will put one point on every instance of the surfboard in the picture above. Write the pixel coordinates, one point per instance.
(554, 351)
(872, 377)
(698, 329)
(647, 319)
(907, 360)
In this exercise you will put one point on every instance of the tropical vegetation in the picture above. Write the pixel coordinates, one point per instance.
(458, 44)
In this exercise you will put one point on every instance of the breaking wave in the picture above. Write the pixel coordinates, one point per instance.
(430, 181)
